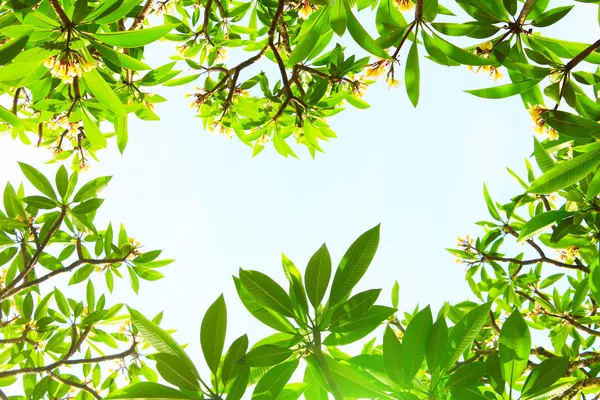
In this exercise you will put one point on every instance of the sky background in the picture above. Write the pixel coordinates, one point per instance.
(207, 203)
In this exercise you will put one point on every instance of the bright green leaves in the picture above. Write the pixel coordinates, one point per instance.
(10, 50)
(514, 347)
(430, 9)
(337, 17)
(412, 74)
(361, 36)
(310, 32)
(414, 343)
(540, 222)
(392, 355)
(437, 343)
(267, 355)
(135, 38)
(212, 333)
(544, 376)
(267, 292)
(102, 91)
(149, 391)
(493, 210)
(159, 339)
(38, 180)
(568, 172)
(273, 382)
(318, 273)
(353, 265)
(176, 371)
(503, 91)
(464, 332)
(92, 131)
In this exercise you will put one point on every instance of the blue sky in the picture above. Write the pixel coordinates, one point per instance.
(208, 204)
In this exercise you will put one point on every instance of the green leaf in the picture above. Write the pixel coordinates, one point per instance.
(212, 333)
(236, 351)
(392, 355)
(297, 292)
(460, 55)
(176, 371)
(414, 343)
(514, 347)
(62, 181)
(40, 202)
(353, 265)
(540, 222)
(412, 74)
(273, 382)
(337, 17)
(503, 91)
(87, 206)
(91, 188)
(62, 303)
(552, 16)
(437, 343)
(315, 27)
(595, 281)
(466, 374)
(261, 313)
(159, 339)
(120, 59)
(267, 292)
(362, 37)
(105, 95)
(494, 373)
(545, 375)
(358, 327)
(464, 332)
(571, 125)
(12, 48)
(593, 187)
(38, 180)
(267, 355)
(137, 38)
(430, 9)
(149, 390)
(11, 118)
(567, 173)
(490, 204)
(543, 159)
(318, 273)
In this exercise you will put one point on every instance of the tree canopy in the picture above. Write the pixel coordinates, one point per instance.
(275, 71)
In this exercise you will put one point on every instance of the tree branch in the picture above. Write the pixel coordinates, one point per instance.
(525, 11)
(78, 385)
(61, 13)
(581, 56)
(141, 17)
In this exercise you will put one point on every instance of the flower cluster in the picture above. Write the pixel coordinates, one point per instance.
(135, 247)
(466, 243)
(218, 128)
(404, 5)
(62, 122)
(569, 253)
(541, 126)
(484, 50)
(68, 67)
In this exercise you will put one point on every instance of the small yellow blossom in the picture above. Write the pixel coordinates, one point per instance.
(305, 9)
(263, 140)
(556, 75)
(377, 69)
(466, 242)
(404, 5)
(392, 82)
(181, 50)
(221, 55)
(540, 126)
(218, 128)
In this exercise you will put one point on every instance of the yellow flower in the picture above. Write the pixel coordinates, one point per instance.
(187, 95)
(392, 82)
(556, 75)
(181, 50)
(218, 128)
(221, 55)
(404, 5)
(466, 242)
(376, 69)
(263, 140)
(496, 74)
(552, 134)
(304, 10)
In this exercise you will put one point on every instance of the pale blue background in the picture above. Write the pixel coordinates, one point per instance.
(208, 204)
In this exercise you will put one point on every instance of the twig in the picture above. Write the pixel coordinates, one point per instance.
(525, 11)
